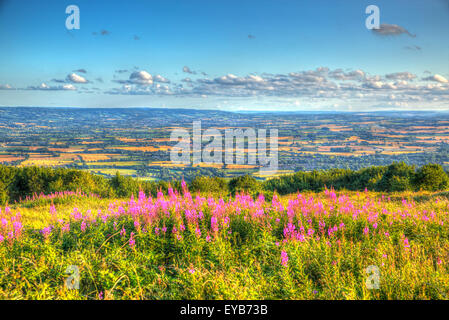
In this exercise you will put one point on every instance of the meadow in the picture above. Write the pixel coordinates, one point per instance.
(187, 245)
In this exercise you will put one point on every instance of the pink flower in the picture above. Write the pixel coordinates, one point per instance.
(192, 271)
(214, 224)
(83, 226)
(284, 258)
(132, 242)
(66, 227)
(46, 232)
(366, 231)
(406, 244)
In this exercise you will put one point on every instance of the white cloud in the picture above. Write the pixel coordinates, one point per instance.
(68, 87)
(437, 78)
(186, 69)
(339, 74)
(6, 87)
(159, 78)
(141, 77)
(401, 76)
(74, 78)
(386, 29)
(314, 86)
(44, 86)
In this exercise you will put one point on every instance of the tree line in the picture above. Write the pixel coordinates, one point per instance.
(16, 183)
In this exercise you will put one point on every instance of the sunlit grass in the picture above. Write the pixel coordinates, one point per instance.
(309, 246)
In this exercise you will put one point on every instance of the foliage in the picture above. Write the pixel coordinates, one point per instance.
(431, 177)
(19, 183)
(179, 246)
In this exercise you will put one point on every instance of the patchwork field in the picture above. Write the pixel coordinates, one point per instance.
(136, 142)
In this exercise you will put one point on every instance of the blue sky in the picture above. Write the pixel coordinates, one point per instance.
(230, 55)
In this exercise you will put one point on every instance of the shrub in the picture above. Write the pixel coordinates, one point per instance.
(431, 177)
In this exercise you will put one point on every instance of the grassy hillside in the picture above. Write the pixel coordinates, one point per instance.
(187, 246)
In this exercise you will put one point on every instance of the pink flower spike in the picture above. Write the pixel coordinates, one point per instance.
(284, 258)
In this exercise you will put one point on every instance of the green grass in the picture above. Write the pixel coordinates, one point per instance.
(243, 264)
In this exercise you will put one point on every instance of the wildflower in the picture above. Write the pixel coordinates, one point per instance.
(132, 242)
(192, 271)
(284, 258)
(17, 228)
(214, 224)
(53, 211)
(1, 238)
(83, 226)
(366, 231)
(406, 244)
(208, 238)
(66, 227)
(100, 295)
(46, 232)
(123, 232)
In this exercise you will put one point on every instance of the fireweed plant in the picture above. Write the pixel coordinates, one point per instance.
(185, 246)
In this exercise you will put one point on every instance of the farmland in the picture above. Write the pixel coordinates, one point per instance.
(136, 142)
